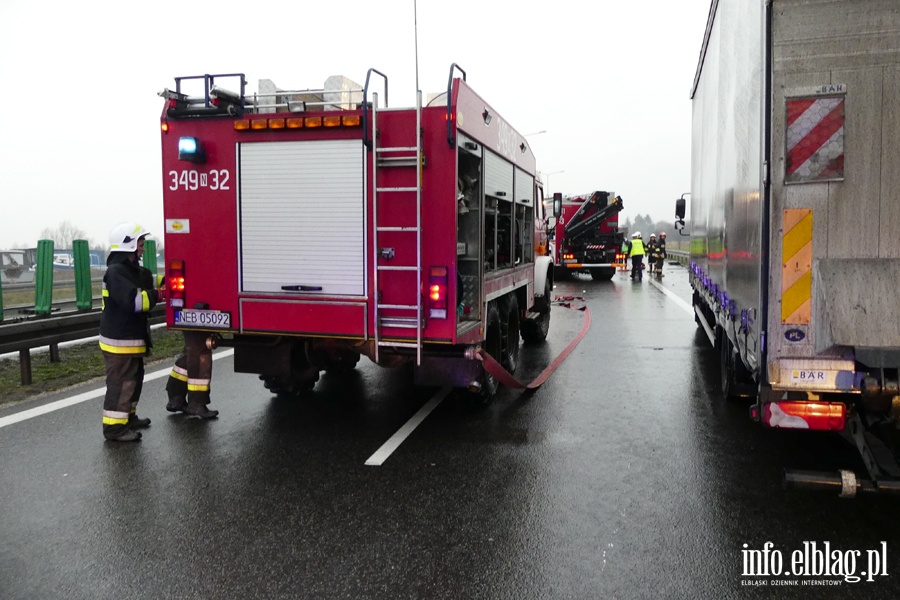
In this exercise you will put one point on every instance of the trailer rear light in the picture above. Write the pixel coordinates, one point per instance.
(331, 121)
(794, 414)
(437, 293)
(176, 283)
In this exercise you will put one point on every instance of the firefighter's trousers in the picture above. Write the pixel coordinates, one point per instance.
(124, 381)
(190, 378)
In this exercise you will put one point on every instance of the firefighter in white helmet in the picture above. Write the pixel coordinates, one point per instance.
(128, 295)
(637, 257)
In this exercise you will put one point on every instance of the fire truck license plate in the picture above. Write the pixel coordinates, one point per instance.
(193, 317)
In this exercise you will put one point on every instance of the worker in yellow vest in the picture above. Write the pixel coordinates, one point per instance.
(637, 256)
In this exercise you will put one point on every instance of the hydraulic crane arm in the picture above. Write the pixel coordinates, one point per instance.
(583, 221)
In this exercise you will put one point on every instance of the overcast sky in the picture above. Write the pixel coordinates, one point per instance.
(609, 82)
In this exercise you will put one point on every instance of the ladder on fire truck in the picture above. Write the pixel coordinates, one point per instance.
(385, 158)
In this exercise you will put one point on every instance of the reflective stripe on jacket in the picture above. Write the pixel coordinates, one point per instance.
(128, 296)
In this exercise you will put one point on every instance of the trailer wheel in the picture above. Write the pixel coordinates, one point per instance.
(536, 330)
(736, 381)
(602, 273)
(726, 368)
(510, 331)
(695, 302)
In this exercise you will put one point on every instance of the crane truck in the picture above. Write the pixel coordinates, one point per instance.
(794, 207)
(307, 228)
(587, 236)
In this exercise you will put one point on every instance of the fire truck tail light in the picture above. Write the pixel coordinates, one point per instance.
(437, 293)
(822, 416)
(190, 149)
(176, 283)
(164, 127)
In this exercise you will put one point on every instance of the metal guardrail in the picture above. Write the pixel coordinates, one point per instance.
(682, 256)
(51, 331)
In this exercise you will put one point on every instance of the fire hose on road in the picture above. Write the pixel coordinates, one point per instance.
(506, 378)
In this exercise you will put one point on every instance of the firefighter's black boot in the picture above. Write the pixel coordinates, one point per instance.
(200, 410)
(176, 405)
(135, 422)
(129, 435)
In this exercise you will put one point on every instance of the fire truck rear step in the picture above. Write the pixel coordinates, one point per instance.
(399, 344)
(400, 322)
(397, 189)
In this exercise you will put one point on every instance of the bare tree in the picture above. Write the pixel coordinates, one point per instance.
(63, 235)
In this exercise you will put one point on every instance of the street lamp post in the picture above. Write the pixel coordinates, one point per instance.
(547, 179)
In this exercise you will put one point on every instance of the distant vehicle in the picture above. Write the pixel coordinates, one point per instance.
(587, 236)
(15, 267)
(794, 252)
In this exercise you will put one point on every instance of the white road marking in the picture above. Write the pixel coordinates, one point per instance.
(687, 307)
(65, 402)
(382, 454)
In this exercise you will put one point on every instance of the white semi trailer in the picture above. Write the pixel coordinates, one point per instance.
(795, 219)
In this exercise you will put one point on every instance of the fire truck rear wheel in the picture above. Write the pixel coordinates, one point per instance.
(343, 364)
(602, 273)
(510, 330)
(290, 386)
(536, 330)
(493, 346)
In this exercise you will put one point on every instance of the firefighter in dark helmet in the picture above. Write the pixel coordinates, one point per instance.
(128, 295)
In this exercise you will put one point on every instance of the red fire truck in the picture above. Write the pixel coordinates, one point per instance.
(587, 236)
(307, 228)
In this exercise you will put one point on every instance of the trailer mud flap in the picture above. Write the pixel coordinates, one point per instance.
(492, 366)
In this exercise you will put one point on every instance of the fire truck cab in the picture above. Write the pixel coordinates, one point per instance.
(307, 228)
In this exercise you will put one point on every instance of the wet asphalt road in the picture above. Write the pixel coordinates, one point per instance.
(624, 476)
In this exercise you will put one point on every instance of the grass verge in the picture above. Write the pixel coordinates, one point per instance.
(77, 364)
